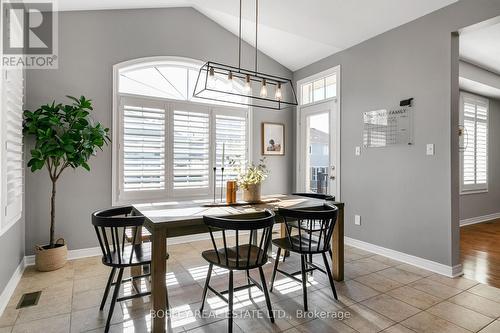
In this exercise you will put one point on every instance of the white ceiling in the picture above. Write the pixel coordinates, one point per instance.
(482, 47)
(479, 88)
(296, 33)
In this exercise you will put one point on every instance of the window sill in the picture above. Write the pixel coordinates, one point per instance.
(465, 192)
(9, 225)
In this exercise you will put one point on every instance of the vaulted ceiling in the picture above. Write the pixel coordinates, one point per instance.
(482, 47)
(296, 33)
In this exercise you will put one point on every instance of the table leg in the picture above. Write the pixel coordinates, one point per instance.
(158, 283)
(338, 247)
(286, 253)
(137, 270)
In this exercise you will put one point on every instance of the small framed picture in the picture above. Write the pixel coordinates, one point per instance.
(273, 139)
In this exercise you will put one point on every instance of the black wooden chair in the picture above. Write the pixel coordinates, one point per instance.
(320, 196)
(249, 252)
(308, 232)
(112, 227)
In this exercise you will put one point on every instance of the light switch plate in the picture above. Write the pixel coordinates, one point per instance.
(430, 149)
(357, 219)
(358, 151)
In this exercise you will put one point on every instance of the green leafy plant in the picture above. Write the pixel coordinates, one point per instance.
(251, 174)
(65, 136)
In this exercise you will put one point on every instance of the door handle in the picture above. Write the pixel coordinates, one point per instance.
(332, 177)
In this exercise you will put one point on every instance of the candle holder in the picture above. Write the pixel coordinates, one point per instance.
(215, 181)
(222, 184)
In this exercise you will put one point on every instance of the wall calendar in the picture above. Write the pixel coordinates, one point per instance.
(382, 128)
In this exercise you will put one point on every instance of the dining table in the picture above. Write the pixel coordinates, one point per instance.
(181, 218)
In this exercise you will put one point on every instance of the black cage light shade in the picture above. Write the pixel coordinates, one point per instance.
(234, 85)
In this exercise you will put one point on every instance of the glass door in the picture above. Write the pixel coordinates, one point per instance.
(317, 172)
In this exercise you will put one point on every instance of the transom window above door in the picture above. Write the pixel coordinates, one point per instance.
(318, 89)
(165, 142)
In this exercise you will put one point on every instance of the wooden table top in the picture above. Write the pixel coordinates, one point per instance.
(184, 213)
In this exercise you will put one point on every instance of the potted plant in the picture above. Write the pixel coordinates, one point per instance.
(65, 136)
(250, 179)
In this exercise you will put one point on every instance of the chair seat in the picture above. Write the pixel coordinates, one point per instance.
(132, 255)
(295, 245)
(219, 258)
(306, 226)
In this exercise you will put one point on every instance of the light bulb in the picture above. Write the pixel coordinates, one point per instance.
(248, 85)
(278, 94)
(230, 81)
(211, 78)
(263, 89)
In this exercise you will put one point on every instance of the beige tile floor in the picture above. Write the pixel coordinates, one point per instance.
(379, 295)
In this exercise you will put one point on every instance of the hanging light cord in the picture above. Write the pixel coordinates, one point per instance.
(256, 33)
(239, 46)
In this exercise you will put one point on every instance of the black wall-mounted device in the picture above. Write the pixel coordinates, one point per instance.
(406, 102)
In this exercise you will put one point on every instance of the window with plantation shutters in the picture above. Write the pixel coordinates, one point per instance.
(474, 157)
(190, 150)
(165, 142)
(143, 146)
(230, 133)
(12, 146)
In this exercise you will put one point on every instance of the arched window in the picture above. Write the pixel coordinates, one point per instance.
(166, 142)
(173, 79)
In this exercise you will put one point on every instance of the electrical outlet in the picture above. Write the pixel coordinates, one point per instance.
(430, 149)
(358, 151)
(357, 220)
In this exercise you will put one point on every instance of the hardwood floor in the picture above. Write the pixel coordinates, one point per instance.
(480, 252)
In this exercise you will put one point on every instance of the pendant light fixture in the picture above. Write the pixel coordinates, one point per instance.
(236, 85)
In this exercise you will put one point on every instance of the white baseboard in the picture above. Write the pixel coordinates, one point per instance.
(479, 219)
(450, 271)
(9, 289)
(96, 251)
(72, 254)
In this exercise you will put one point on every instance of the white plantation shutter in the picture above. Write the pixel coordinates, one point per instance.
(12, 146)
(474, 164)
(143, 147)
(190, 149)
(167, 149)
(231, 130)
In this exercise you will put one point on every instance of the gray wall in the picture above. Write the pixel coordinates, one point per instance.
(408, 201)
(480, 204)
(280, 179)
(90, 43)
(12, 250)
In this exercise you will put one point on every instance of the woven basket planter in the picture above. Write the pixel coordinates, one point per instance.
(49, 259)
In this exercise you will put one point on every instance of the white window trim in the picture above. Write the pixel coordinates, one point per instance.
(476, 188)
(333, 70)
(167, 194)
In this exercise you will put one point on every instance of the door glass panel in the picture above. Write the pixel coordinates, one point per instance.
(318, 156)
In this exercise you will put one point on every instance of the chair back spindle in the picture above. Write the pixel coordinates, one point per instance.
(232, 249)
(111, 226)
(310, 230)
